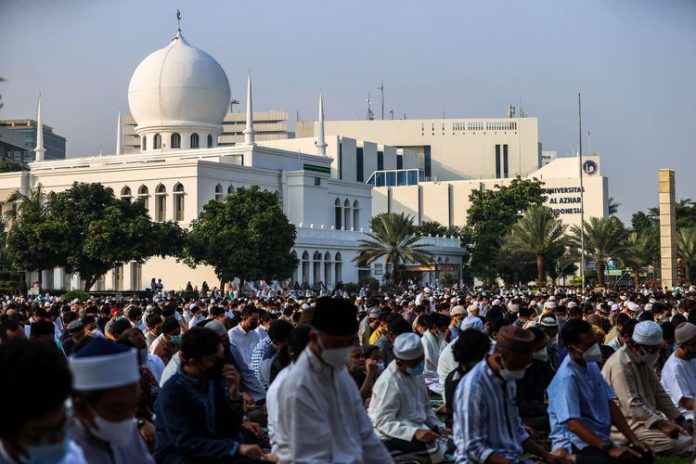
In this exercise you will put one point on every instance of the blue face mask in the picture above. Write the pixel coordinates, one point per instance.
(417, 369)
(49, 454)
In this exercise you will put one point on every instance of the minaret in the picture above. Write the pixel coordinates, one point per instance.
(119, 135)
(39, 150)
(249, 131)
(321, 142)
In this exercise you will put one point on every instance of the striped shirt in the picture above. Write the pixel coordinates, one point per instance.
(486, 419)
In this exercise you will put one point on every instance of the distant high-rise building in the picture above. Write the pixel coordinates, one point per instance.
(268, 125)
(26, 130)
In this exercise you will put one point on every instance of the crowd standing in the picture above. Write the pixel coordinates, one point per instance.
(418, 375)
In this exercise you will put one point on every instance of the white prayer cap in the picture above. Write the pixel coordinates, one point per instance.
(552, 298)
(686, 331)
(551, 304)
(472, 308)
(457, 310)
(549, 322)
(647, 333)
(427, 290)
(192, 306)
(634, 307)
(514, 308)
(305, 306)
(615, 307)
(495, 302)
(102, 364)
(472, 323)
(648, 307)
(217, 327)
(572, 304)
(453, 300)
(407, 346)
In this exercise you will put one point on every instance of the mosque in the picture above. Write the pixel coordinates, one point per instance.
(178, 96)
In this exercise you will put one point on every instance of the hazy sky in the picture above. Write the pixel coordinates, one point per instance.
(634, 62)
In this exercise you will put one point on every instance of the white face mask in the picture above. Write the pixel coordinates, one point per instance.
(117, 433)
(594, 354)
(509, 375)
(335, 357)
(649, 358)
(541, 355)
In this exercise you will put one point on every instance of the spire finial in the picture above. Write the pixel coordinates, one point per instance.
(119, 135)
(249, 131)
(39, 150)
(178, 21)
(321, 142)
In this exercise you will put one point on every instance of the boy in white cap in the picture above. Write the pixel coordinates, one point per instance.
(400, 406)
(106, 380)
(648, 409)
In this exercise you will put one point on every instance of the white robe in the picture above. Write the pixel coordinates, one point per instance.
(432, 345)
(400, 405)
(323, 419)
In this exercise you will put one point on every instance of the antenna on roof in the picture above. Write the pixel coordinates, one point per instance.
(381, 89)
(178, 21)
(370, 114)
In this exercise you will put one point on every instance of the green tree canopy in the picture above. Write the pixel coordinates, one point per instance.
(392, 237)
(539, 233)
(604, 238)
(638, 253)
(492, 215)
(686, 249)
(433, 228)
(245, 236)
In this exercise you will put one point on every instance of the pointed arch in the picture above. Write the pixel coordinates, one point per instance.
(160, 203)
(178, 202)
(218, 193)
(144, 196)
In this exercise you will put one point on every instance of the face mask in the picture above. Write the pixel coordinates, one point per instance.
(142, 355)
(175, 339)
(380, 366)
(417, 369)
(335, 357)
(253, 325)
(593, 354)
(117, 433)
(215, 371)
(649, 358)
(541, 355)
(509, 375)
(459, 324)
(49, 454)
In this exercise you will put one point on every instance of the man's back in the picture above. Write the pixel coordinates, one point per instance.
(323, 418)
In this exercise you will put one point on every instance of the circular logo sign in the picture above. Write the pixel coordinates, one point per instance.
(589, 166)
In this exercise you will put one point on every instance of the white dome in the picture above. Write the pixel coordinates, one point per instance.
(178, 86)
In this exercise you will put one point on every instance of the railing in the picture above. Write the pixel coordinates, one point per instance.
(396, 177)
(324, 232)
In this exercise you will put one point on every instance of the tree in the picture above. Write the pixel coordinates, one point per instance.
(539, 233)
(246, 236)
(637, 254)
(613, 206)
(604, 238)
(432, 228)
(99, 231)
(492, 214)
(686, 249)
(11, 166)
(391, 236)
(34, 237)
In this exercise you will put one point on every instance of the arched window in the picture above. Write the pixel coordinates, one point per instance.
(160, 203)
(305, 267)
(194, 140)
(158, 142)
(327, 268)
(178, 202)
(144, 196)
(218, 193)
(293, 253)
(176, 141)
(356, 215)
(210, 140)
(338, 214)
(230, 189)
(346, 215)
(338, 265)
(143, 143)
(126, 193)
(316, 261)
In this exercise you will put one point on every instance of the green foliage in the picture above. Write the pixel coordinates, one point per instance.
(392, 237)
(432, 228)
(447, 279)
(604, 238)
(492, 215)
(245, 236)
(87, 230)
(11, 166)
(539, 233)
(72, 294)
(686, 250)
(638, 253)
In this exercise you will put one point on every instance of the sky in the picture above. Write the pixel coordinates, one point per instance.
(634, 62)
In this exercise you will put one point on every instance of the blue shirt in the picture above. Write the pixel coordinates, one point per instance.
(195, 421)
(486, 419)
(264, 350)
(578, 392)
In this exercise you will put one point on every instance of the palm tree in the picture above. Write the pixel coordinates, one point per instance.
(433, 228)
(686, 249)
(391, 236)
(604, 238)
(34, 202)
(637, 254)
(540, 233)
(612, 206)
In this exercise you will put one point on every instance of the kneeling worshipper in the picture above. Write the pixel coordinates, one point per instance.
(400, 407)
(679, 372)
(106, 381)
(487, 426)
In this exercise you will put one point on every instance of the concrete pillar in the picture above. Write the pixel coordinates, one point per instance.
(668, 227)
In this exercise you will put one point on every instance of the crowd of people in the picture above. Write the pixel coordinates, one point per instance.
(418, 375)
